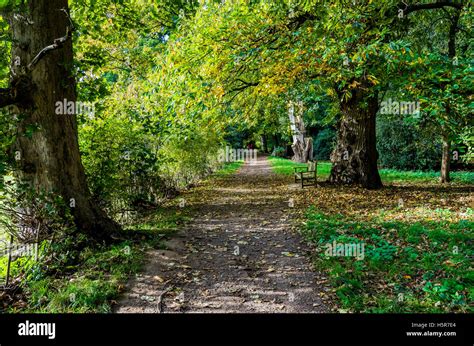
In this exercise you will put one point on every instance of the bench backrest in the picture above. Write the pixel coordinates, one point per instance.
(311, 166)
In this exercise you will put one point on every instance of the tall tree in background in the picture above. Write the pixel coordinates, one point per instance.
(47, 143)
(373, 39)
(302, 144)
(446, 69)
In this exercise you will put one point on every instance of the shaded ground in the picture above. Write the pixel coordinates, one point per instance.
(240, 253)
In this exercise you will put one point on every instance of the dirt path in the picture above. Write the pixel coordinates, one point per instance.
(240, 253)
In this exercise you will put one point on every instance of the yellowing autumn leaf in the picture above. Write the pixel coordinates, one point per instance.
(373, 79)
(354, 84)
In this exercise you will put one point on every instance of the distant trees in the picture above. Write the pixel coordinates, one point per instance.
(242, 62)
(174, 76)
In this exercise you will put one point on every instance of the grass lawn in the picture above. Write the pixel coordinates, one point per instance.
(417, 238)
(229, 168)
(285, 166)
(393, 175)
(408, 266)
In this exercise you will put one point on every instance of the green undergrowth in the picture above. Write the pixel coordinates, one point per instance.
(93, 282)
(406, 266)
(101, 272)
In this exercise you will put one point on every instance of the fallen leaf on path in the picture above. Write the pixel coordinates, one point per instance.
(147, 298)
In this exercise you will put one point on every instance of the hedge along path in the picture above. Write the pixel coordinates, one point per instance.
(240, 253)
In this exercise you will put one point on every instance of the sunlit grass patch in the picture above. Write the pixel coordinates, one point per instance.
(426, 213)
(393, 175)
(98, 280)
(229, 168)
(286, 167)
(163, 221)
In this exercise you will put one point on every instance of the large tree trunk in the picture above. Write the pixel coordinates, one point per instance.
(50, 158)
(445, 160)
(302, 146)
(354, 159)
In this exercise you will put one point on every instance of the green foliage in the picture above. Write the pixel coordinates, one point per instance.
(38, 232)
(93, 285)
(6, 140)
(99, 273)
(324, 143)
(406, 268)
(279, 152)
(137, 154)
(9, 4)
(174, 81)
(22, 206)
(392, 175)
(402, 146)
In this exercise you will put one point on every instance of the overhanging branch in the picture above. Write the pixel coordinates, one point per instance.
(21, 85)
(57, 43)
(432, 6)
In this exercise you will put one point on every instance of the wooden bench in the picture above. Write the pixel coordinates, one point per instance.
(307, 174)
